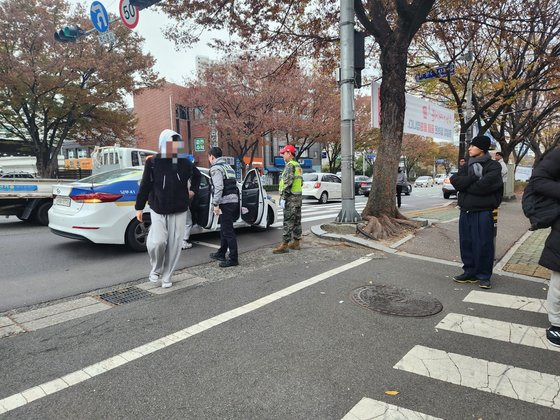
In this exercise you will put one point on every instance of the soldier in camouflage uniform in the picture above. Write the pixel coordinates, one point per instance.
(290, 196)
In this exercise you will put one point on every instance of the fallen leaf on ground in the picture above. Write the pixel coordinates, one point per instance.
(392, 392)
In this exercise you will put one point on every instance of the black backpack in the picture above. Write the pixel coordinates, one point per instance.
(541, 211)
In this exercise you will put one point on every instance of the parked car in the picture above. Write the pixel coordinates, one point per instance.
(360, 182)
(367, 189)
(424, 181)
(322, 186)
(447, 188)
(100, 208)
(439, 178)
(17, 175)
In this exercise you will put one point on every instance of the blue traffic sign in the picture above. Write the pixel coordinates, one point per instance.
(370, 156)
(442, 71)
(99, 16)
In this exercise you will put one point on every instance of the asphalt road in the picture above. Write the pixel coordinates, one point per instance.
(38, 266)
(308, 352)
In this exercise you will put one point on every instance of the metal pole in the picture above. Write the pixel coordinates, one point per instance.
(468, 105)
(348, 212)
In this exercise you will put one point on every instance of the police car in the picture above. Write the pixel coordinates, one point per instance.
(100, 208)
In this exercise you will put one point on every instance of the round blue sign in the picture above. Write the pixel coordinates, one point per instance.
(99, 16)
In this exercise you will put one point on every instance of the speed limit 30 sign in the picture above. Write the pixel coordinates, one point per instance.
(129, 14)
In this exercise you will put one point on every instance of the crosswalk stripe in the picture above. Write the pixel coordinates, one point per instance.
(368, 409)
(521, 303)
(310, 219)
(496, 378)
(315, 209)
(497, 330)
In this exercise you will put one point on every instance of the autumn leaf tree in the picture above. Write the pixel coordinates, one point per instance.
(51, 92)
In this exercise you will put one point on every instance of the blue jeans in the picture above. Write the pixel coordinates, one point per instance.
(476, 239)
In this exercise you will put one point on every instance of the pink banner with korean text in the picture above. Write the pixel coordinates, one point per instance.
(422, 117)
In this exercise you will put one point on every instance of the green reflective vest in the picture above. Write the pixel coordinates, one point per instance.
(298, 179)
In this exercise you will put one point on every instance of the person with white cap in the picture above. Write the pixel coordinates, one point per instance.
(165, 186)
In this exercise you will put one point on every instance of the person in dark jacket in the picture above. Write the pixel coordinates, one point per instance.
(402, 183)
(480, 189)
(546, 179)
(164, 186)
(225, 205)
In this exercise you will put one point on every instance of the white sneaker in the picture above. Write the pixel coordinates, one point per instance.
(154, 278)
(186, 245)
(166, 285)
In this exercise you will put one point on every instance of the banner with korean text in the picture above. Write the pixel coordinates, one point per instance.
(422, 117)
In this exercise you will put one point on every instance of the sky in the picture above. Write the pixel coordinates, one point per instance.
(171, 64)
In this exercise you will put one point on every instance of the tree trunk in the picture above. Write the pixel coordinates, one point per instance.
(381, 201)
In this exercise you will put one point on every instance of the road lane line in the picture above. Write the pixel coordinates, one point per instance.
(525, 335)
(521, 303)
(32, 394)
(483, 375)
(368, 409)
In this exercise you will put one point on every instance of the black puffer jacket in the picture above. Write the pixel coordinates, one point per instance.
(165, 185)
(546, 179)
(476, 194)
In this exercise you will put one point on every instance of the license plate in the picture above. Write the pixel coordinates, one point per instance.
(62, 201)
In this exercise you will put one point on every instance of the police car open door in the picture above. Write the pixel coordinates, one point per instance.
(252, 199)
(201, 207)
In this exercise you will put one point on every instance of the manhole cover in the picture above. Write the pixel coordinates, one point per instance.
(396, 301)
(130, 294)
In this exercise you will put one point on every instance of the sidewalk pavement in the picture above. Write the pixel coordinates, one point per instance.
(517, 249)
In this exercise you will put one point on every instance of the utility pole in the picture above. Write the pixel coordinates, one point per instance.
(348, 213)
(468, 104)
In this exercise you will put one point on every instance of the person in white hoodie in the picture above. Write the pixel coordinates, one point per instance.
(165, 185)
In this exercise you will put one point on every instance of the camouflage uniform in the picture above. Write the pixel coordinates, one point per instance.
(292, 208)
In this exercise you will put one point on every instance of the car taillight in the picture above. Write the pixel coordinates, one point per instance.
(97, 197)
(446, 180)
(317, 185)
(363, 184)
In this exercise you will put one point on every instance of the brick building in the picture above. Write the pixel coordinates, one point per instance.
(158, 109)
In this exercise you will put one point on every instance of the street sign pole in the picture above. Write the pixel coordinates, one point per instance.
(348, 213)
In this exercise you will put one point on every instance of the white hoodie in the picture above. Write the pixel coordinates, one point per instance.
(164, 137)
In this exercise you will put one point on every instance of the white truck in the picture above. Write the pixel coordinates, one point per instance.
(30, 199)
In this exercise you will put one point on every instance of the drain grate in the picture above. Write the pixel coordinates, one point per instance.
(396, 301)
(130, 294)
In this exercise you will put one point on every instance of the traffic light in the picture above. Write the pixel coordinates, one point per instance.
(142, 4)
(69, 33)
(359, 57)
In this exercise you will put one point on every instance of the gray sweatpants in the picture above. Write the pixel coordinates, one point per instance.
(553, 299)
(188, 226)
(164, 243)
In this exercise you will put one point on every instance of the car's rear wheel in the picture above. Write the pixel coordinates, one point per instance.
(366, 193)
(41, 213)
(324, 198)
(136, 234)
(446, 195)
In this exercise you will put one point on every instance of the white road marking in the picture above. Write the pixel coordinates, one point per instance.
(525, 335)
(22, 398)
(496, 378)
(208, 244)
(368, 409)
(521, 303)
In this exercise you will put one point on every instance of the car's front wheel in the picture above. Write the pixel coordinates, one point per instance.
(446, 195)
(136, 234)
(324, 198)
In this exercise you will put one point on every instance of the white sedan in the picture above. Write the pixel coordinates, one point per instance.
(322, 186)
(100, 208)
